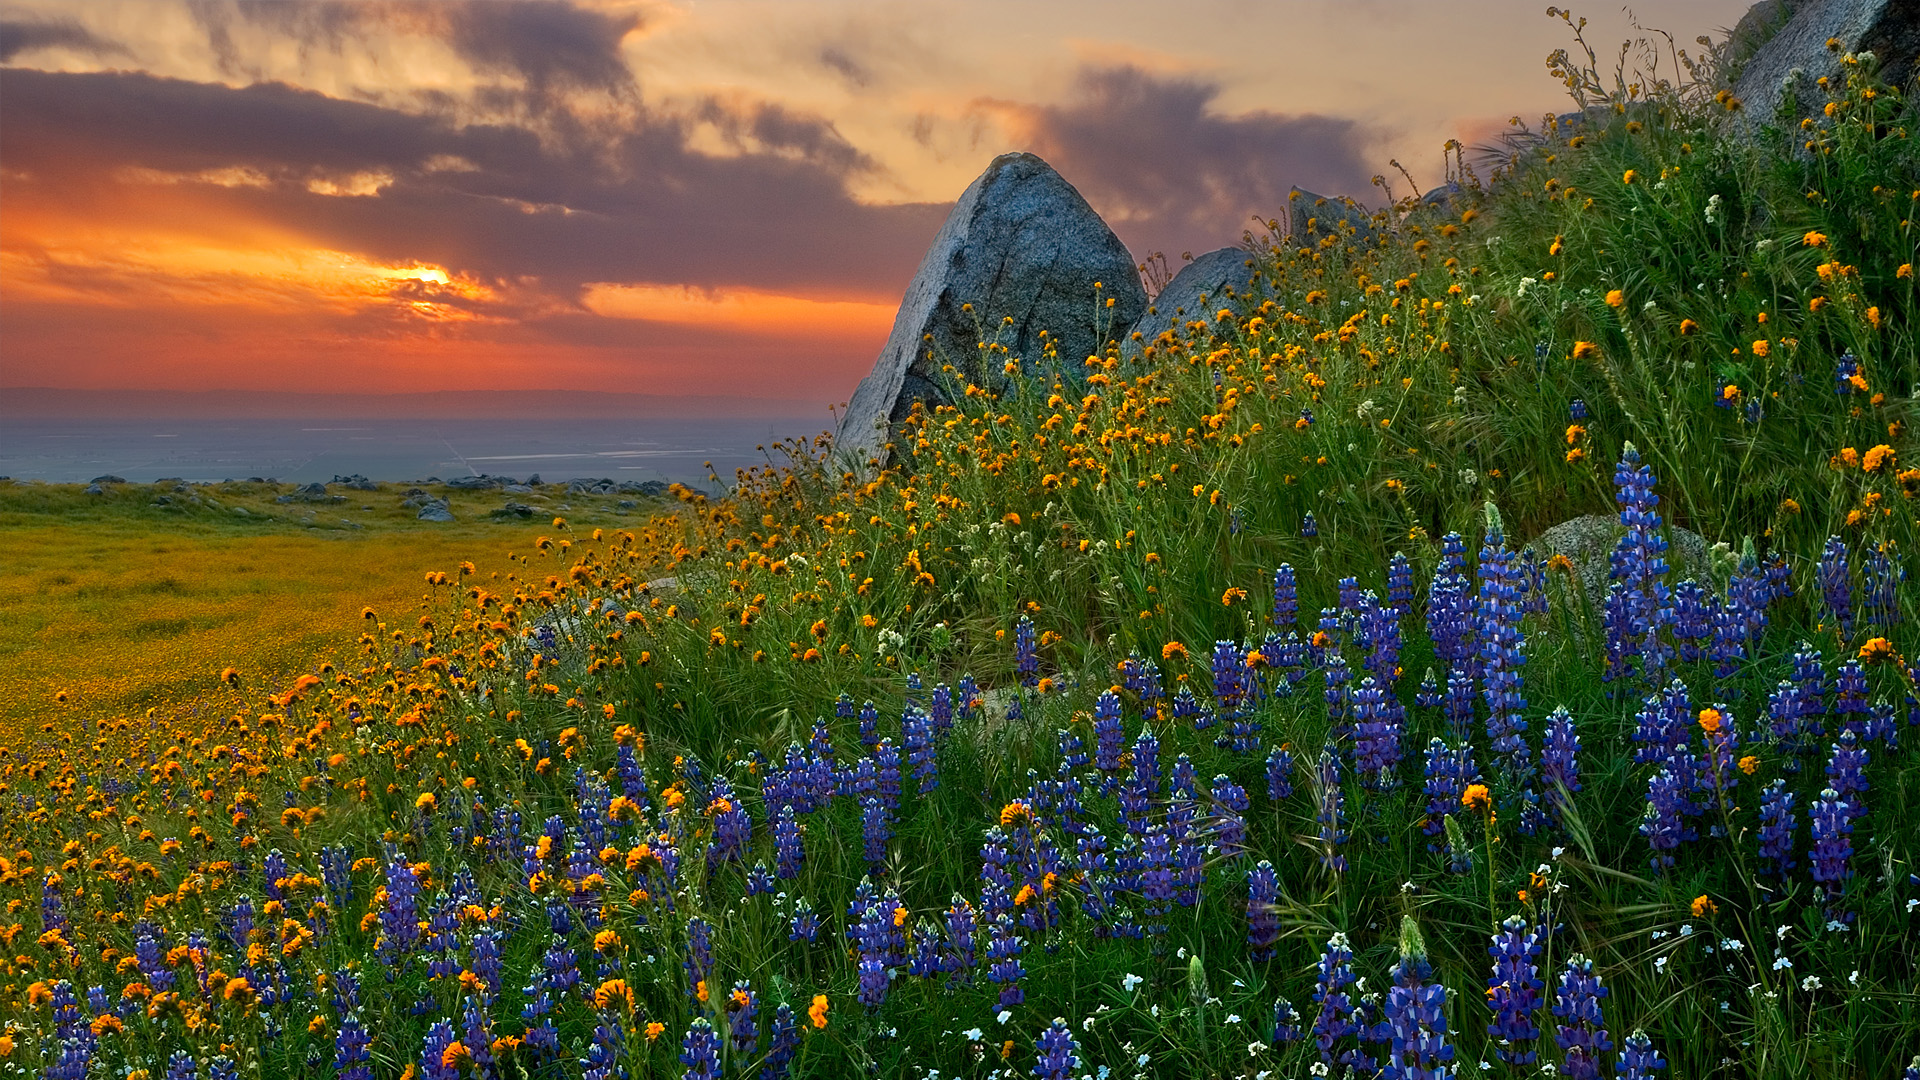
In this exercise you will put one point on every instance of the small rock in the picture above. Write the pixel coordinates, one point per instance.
(1588, 541)
(1311, 217)
(475, 483)
(534, 480)
(95, 489)
(627, 504)
(1200, 289)
(514, 509)
(517, 489)
(435, 510)
(283, 499)
(109, 479)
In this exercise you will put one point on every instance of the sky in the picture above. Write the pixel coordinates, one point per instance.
(669, 197)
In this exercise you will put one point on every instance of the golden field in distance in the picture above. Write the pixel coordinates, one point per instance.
(111, 605)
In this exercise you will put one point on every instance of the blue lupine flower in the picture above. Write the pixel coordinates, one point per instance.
(876, 833)
(805, 925)
(478, 1036)
(1335, 677)
(1663, 824)
(962, 924)
(603, 1057)
(743, 1006)
(1279, 774)
(1058, 1058)
(1286, 1022)
(1309, 528)
(699, 959)
(1836, 584)
(1832, 853)
(1376, 737)
(1582, 1030)
(732, 828)
(1004, 968)
(1638, 609)
(1417, 1019)
(1460, 705)
(1338, 1017)
(352, 1060)
(785, 1046)
(1577, 409)
(1399, 584)
(433, 1049)
(1882, 582)
(181, 1066)
(1230, 804)
(1502, 649)
(788, 851)
(1332, 813)
(1514, 990)
(1286, 598)
(1428, 695)
(700, 1052)
(1108, 735)
(400, 919)
(1844, 369)
(869, 723)
(222, 1067)
(1693, 611)
(917, 733)
(147, 954)
(886, 758)
(1776, 830)
(1156, 878)
(1850, 698)
(1026, 656)
(1639, 1060)
(1845, 773)
(1263, 925)
(1560, 758)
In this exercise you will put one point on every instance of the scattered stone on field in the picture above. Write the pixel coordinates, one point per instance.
(534, 480)
(1311, 216)
(109, 479)
(1202, 287)
(435, 510)
(283, 498)
(652, 489)
(95, 488)
(1020, 245)
(357, 482)
(1588, 541)
(517, 489)
(482, 482)
(1795, 57)
(627, 504)
(514, 509)
(242, 511)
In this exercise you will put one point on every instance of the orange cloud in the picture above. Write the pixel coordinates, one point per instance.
(748, 311)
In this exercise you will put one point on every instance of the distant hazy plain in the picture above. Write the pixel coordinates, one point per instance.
(67, 450)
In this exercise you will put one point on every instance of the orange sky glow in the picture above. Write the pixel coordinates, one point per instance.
(643, 196)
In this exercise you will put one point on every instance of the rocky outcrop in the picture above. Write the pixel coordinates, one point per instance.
(1311, 217)
(1588, 541)
(435, 510)
(1199, 290)
(1796, 57)
(1021, 255)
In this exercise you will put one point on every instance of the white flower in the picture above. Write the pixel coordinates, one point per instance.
(1365, 410)
(1713, 210)
(1130, 981)
(1087, 1024)
(1233, 1018)
(1141, 1061)
(1686, 929)
(1525, 284)
(1854, 977)
(1811, 982)
(1254, 1048)
(1660, 963)
(1469, 477)
(1781, 963)
(1004, 1016)
(972, 1034)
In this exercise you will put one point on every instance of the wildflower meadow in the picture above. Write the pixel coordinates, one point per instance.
(1204, 708)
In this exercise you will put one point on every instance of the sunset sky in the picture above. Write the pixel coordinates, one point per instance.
(692, 197)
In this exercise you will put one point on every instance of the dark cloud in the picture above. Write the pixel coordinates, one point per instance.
(639, 205)
(18, 37)
(837, 59)
(1170, 174)
(551, 47)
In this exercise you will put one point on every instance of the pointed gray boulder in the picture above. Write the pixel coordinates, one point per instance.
(1021, 244)
(1215, 280)
(1311, 217)
(1796, 57)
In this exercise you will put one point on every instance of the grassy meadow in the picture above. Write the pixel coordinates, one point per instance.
(123, 606)
(1210, 710)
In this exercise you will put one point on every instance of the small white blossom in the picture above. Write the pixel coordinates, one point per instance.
(1004, 1016)
(1130, 981)
(1254, 1048)
(1811, 982)
(1782, 963)
(972, 1034)
(1233, 1018)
